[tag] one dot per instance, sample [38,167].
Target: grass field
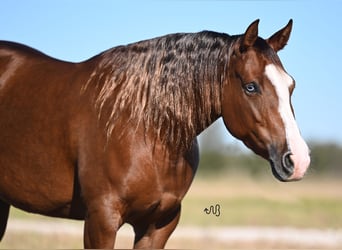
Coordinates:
[265,202]
[244,202]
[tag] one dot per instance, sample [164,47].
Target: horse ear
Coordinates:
[250,36]
[278,40]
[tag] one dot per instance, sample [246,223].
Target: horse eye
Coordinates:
[251,88]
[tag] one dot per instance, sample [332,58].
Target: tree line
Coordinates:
[326,160]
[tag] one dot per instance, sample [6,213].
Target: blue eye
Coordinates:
[251,88]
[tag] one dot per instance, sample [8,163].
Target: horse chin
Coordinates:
[278,173]
[281,172]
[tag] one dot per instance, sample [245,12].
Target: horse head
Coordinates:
[256,103]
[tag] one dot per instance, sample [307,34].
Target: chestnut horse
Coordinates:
[112,140]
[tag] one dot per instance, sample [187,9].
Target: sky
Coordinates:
[75,30]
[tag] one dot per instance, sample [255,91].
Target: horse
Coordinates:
[112,140]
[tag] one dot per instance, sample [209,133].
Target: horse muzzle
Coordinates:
[289,167]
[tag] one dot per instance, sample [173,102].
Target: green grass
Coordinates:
[264,202]
[247,211]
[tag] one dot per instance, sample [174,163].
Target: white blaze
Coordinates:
[300,151]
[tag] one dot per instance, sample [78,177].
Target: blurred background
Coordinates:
[256,211]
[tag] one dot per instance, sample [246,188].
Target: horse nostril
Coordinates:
[287,163]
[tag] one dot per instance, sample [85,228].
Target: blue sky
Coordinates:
[75,30]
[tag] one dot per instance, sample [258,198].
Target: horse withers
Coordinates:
[112,140]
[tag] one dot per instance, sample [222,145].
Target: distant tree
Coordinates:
[217,156]
[326,158]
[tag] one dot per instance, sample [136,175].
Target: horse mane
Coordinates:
[171,83]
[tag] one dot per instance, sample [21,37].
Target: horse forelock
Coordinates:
[172,84]
[272,56]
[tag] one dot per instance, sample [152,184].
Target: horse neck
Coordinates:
[172,84]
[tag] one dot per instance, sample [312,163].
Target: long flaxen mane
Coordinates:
[172,84]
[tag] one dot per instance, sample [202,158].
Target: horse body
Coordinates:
[51,162]
[112,140]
